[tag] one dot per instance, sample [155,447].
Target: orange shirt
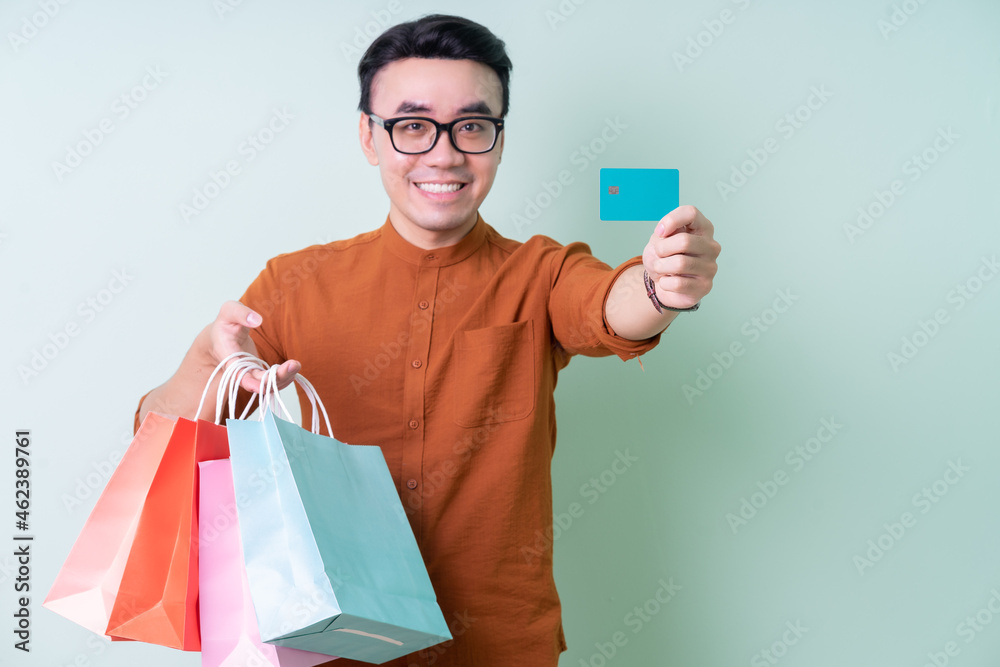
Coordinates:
[447,359]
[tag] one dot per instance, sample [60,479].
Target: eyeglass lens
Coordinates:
[413,135]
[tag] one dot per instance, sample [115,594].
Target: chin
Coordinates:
[441,220]
[441,225]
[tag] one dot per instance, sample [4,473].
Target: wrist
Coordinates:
[655,300]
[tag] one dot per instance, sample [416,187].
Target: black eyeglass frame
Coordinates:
[388,123]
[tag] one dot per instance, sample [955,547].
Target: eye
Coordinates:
[471,127]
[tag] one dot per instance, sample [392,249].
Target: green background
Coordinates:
[665,517]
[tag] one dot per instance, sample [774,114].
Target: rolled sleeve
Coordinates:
[581,284]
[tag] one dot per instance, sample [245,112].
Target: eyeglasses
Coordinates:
[413,135]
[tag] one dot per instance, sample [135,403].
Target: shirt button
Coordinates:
[432,256]
[414,423]
[423,305]
[416,363]
[411,483]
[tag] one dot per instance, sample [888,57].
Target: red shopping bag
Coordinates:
[85,588]
[157,599]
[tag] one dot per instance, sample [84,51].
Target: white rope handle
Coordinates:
[314,400]
[270,398]
[226,379]
[229,386]
[230,383]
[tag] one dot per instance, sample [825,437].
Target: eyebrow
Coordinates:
[409,106]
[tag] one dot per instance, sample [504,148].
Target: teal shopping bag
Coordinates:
[332,562]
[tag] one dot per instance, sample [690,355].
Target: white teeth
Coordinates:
[439,187]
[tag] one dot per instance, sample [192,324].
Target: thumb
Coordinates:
[234,312]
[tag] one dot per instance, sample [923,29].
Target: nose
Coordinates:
[444,153]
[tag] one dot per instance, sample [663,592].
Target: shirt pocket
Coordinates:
[497,368]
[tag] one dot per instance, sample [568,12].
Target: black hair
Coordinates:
[435,36]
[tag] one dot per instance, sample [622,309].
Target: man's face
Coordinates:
[442,90]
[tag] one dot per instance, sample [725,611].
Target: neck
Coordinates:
[429,239]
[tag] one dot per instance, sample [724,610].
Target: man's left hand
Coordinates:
[680,257]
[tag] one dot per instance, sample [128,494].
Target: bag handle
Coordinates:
[270,395]
[233,375]
[243,363]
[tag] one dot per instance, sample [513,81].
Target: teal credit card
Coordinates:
[639,194]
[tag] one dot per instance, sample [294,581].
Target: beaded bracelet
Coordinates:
[651,293]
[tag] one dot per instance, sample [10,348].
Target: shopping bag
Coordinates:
[132,572]
[229,635]
[158,598]
[86,586]
[331,559]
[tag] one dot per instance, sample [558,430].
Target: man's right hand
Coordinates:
[230,332]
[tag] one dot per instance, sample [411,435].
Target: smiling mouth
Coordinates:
[440,187]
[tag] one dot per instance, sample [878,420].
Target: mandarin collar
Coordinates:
[452,254]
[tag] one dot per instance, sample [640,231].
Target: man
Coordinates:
[440,341]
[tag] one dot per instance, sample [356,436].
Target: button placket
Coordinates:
[421,324]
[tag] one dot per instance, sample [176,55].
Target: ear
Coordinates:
[367,139]
[500,147]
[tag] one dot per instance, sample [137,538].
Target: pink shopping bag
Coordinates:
[229,632]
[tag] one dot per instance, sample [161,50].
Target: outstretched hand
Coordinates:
[230,332]
[680,257]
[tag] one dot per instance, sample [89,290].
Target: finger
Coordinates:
[679,218]
[251,381]
[683,244]
[691,288]
[286,372]
[284,376]
[683,265]
[235,313]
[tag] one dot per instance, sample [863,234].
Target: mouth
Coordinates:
[440,187]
